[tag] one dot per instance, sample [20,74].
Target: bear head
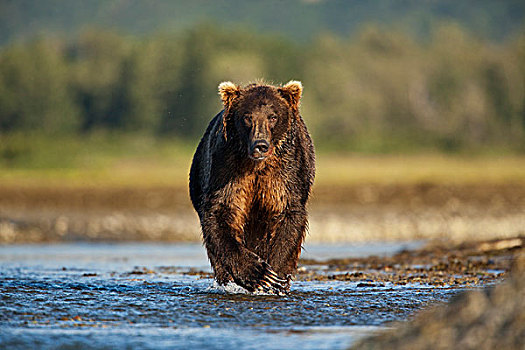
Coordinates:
[259,115]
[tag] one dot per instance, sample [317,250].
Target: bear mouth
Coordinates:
[258,155]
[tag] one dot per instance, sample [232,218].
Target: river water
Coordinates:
[147,296]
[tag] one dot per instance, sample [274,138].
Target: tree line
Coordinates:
[379,90]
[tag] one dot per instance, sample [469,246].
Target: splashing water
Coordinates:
[95,296]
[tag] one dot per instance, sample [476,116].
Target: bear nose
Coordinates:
[261,146]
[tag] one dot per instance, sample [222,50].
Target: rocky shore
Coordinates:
[492,318]
[35,214]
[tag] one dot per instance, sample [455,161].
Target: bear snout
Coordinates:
[259,149]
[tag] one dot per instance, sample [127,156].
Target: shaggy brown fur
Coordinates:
[250,181]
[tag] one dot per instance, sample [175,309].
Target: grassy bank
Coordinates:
[411,169]
[332,170]
[117,160]
[98,159]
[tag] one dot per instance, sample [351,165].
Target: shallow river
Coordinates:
[143,296]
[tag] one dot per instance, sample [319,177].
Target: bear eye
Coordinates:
[272,118]
[247,119]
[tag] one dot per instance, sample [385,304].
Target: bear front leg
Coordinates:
[287,241]
[230,259]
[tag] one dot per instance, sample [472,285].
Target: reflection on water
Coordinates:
[95,296]
[122,255]
[104,255]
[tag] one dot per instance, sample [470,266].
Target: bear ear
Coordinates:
[228,92]
[291,92]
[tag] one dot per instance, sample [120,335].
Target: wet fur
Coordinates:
[253,212]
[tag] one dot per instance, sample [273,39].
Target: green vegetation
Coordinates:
[97,159]
[377,92]
[116,159]
[298,19]
[334,170]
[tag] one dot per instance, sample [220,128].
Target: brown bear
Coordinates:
[250,180]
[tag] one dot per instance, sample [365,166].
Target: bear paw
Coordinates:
[256,276]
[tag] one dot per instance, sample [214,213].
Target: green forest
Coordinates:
[301,20]
[377,91]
